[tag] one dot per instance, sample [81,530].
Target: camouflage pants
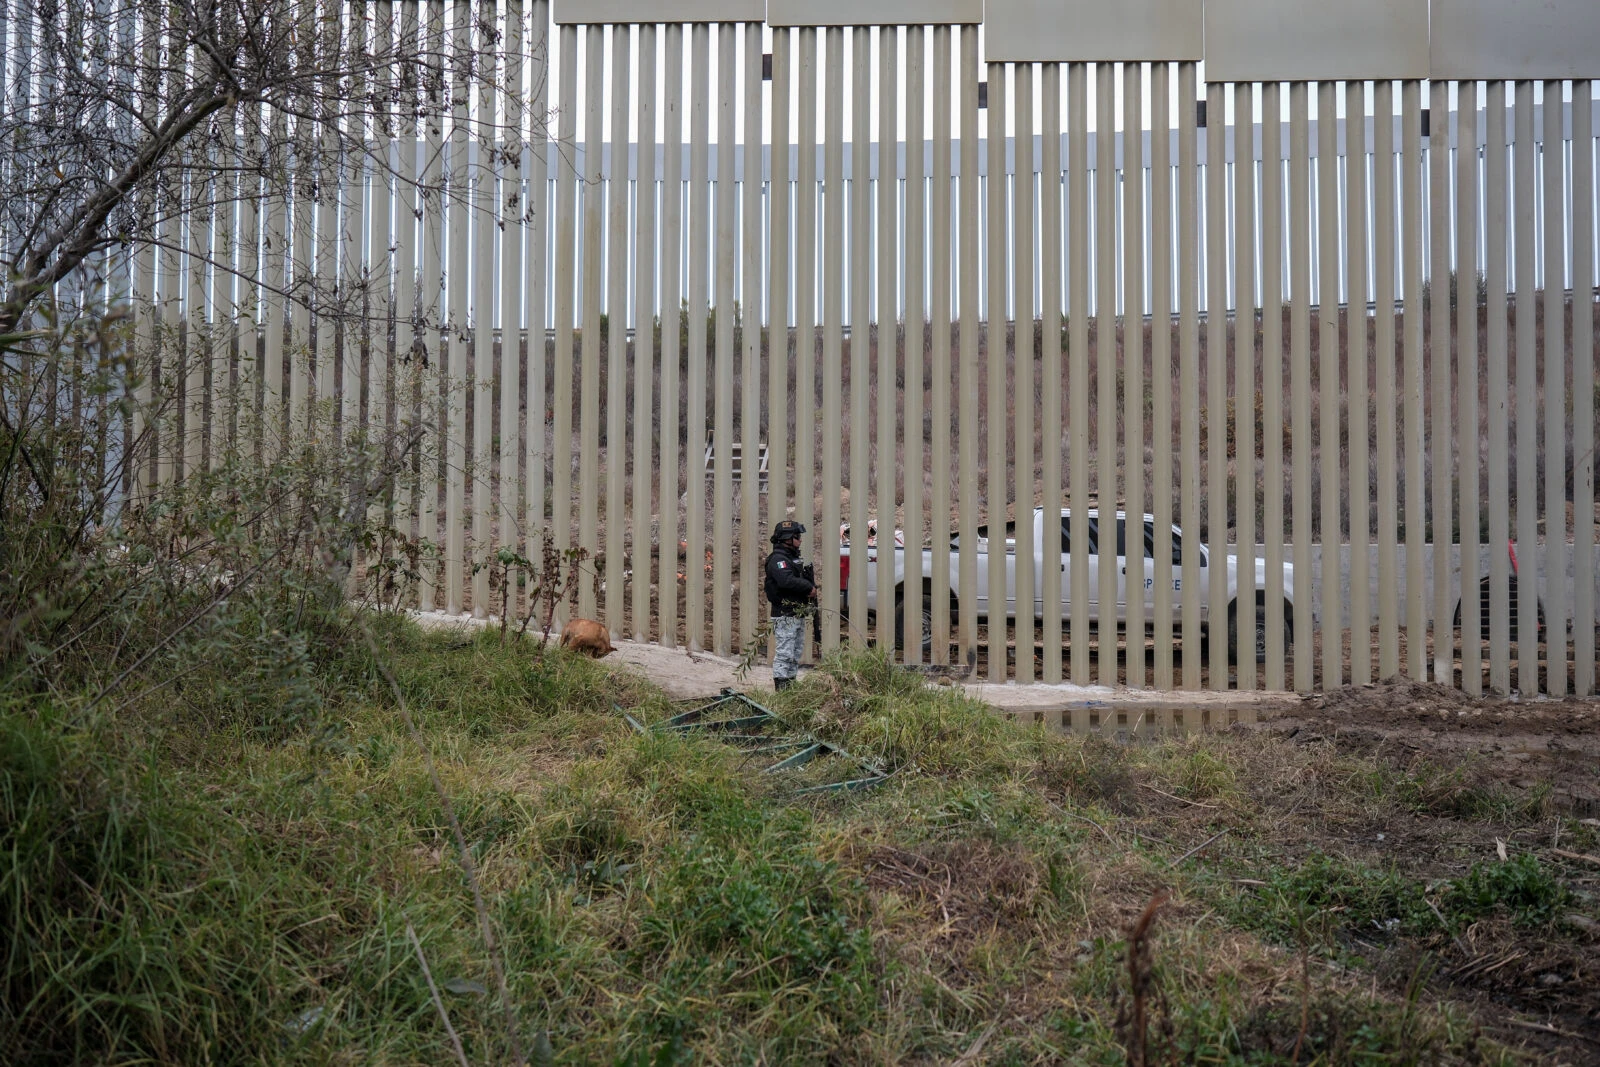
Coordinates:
[791,636]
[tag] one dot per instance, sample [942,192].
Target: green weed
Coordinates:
[1339,900]
[1335,898]
[1202,773]
[1425,787]
[1520,888]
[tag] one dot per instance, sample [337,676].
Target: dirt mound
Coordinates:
[1381,699]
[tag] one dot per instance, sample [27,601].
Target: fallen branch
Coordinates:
[1082,818]
[1546,1028]
[1181,800]
[1581,857]
[1198,847]
[971,1055]
[1479,966]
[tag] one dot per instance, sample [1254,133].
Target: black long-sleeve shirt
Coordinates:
[787,588]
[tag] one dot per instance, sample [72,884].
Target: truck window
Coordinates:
[1178,551]
[1066,535]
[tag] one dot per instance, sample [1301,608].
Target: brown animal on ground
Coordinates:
[588,637]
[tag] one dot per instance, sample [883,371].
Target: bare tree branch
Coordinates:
[128,104]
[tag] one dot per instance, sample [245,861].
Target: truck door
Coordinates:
[987,545]
[1143,566]
[1176,577]
[1123,581]
[1066,566]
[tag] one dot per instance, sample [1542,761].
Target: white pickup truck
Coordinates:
[1056,551]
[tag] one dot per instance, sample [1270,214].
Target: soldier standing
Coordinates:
[790,588]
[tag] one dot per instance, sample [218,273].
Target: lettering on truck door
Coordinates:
[1177,575]
[1146,579]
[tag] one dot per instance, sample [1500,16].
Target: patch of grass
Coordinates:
[1200,772]
[1342,1029]
[1334,899]
[152,920]
[1457,790]
[658,900]
[885,712]
[743,923]
[1089,770]
[474,683]
[1227,1003]
[585,831]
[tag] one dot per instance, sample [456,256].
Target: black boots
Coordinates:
[780,684]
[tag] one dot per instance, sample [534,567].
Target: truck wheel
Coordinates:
[1485,612]
[900,622]
[1260,629]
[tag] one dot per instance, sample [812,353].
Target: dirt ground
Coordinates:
[1524,745]
[1542,759]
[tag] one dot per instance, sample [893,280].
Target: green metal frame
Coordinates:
[803,748]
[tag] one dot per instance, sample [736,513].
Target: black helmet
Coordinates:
[787,530]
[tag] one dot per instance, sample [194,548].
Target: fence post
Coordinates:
[616,339]
[1583,385]
[1050,324]
[1467,200]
